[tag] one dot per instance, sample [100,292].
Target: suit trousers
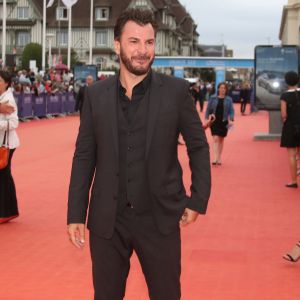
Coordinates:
[158,254]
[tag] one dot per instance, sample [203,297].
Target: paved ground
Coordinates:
[232,253]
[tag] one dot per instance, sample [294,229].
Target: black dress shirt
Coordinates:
[130,107]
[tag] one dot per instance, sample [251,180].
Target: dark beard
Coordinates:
[135,70]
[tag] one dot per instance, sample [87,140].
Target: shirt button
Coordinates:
[129,205]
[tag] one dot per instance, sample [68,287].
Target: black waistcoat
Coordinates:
[133,183]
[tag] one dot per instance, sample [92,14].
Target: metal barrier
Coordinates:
[43,105]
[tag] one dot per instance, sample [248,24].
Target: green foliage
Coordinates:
[32,51]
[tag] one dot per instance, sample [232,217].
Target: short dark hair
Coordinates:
[139,16]
[6,76]
[291,78]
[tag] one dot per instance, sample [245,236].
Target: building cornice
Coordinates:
[285,10]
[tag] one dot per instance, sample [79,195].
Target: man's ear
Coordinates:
[117,46]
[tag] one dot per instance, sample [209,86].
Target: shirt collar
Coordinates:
[140,88]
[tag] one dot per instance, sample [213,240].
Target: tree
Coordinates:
[32,51]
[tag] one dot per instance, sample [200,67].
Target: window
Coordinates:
[62,38]
[23,38]
[141,3]
[61,13]
[23,13]
[102,38]
[102,13]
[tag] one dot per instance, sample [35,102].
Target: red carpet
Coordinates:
[233,253]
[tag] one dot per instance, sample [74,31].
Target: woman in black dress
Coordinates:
[290,113]
[221,108]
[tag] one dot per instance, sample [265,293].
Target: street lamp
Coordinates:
[49,37]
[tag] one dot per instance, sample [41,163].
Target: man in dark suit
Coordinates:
[127,150]
[80,96]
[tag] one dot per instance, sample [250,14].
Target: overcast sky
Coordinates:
[241,24]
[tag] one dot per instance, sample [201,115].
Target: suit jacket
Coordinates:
[171,111]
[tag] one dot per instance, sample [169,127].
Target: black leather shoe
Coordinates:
[292,185]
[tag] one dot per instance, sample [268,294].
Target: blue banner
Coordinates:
[30,106]
[26,106]
[39,107]
[54,106]
[70,108]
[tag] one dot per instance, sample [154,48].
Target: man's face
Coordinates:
[136,48]
[89,80]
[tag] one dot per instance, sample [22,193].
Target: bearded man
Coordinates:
[126,153]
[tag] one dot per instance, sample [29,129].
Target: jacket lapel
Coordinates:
[113,113]
[154,104]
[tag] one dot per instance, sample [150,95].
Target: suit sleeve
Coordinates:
[83,167]
[198,152]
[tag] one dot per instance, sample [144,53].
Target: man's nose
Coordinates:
[142,48]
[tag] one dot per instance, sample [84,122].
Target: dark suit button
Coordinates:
[129,148]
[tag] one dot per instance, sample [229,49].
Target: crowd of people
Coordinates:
[26,81]
[240,92]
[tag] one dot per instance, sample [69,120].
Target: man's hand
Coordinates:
[189,216]
[6,108]
[77,235]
